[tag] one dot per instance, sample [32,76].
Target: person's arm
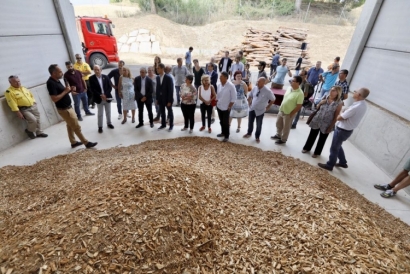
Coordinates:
[289,73]
[84,85]
[200,94]
[120,87]
[296,109]
[245,88]
[250,97]
[345,95]
[12,102]
[56,98]
[111,75]
[233,97]
[87,71]
[194,92]
[336,115]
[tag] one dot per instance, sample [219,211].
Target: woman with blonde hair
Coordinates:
[127,94]
[324,120]
[207,94]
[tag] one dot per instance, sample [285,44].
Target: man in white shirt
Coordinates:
[238,65]
[260,99]
[346,123]
[226,97]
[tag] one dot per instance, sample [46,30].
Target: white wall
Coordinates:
[33,35]
[378,58]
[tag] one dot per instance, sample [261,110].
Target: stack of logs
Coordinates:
[260,45]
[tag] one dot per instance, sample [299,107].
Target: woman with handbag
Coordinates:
[207,96]
[323,120]
[240,108]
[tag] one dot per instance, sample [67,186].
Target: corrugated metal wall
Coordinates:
[385,61]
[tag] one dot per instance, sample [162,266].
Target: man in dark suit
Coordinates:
[101,86]
[143,95]
[165,97]
[225,63]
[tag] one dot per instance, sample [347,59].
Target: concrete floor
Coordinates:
[361,174]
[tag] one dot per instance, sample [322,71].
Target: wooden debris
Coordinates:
[260,45]
[191,205]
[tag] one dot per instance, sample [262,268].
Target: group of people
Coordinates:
[233,97]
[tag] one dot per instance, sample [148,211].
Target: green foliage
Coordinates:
[357,3]
[284,7]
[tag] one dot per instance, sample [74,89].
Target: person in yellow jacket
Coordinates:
[86,72]
[22,102]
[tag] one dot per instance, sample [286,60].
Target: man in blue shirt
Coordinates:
[313,77]
[275,62]
[329,78]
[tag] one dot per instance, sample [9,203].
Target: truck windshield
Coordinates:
[102,28]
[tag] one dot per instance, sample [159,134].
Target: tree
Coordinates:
[297,5]
[153,8]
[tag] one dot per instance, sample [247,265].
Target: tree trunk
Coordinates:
[297,5]
[153,8]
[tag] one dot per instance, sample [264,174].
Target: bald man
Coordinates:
[101,87]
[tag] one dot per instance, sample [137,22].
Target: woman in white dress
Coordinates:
[127,94]
[240,108]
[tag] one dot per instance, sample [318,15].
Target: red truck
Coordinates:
[98,42]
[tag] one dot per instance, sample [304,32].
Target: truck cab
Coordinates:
[99,43]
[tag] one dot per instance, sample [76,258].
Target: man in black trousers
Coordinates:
[165,97]
[226,97]
[143,95]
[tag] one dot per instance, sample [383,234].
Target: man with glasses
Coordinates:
[22,102]
[329,78]
[342,82]
[85,70]
[291,104]
[347,121]
[260,99]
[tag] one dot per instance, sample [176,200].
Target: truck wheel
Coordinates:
[98,59]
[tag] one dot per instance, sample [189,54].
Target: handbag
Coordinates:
[213,102]
[310,118]
[249,86]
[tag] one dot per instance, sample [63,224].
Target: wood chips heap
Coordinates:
[191,205]
[260,45]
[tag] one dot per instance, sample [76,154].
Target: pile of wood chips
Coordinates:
[191,205]
[260,45]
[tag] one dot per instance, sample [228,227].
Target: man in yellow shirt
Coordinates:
[22,102]
[85,70]
[291,104]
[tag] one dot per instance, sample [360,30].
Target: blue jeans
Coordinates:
[322,93]
[80,97]
[336,150]
[118,99]
[296,119]
[251,119]
[177,89]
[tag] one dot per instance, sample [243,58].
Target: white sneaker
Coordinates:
[119,116]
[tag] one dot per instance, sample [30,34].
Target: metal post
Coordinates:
[340,17]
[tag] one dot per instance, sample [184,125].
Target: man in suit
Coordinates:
[214,66]
[101,87]
[225,63]
[165,97]
[143,95]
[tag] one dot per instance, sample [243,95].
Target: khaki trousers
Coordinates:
[283,124]
[32,117]
[73,127]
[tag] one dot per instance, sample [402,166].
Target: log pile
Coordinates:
[260,45]
[190,205]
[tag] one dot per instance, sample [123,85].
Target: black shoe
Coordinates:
[91,144]
[139,125]
[293,127]
[340,165]
[220,135]
[110,126]
[225,140]
[280,142]
[275,137]
[93,106]
[170,128]
[90,114]
[162,127]
[76,144]
[151,125]
[43,135]
[324,166]
[80,118]
[30,134]
[156,119]
[100,130]
[212,120]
